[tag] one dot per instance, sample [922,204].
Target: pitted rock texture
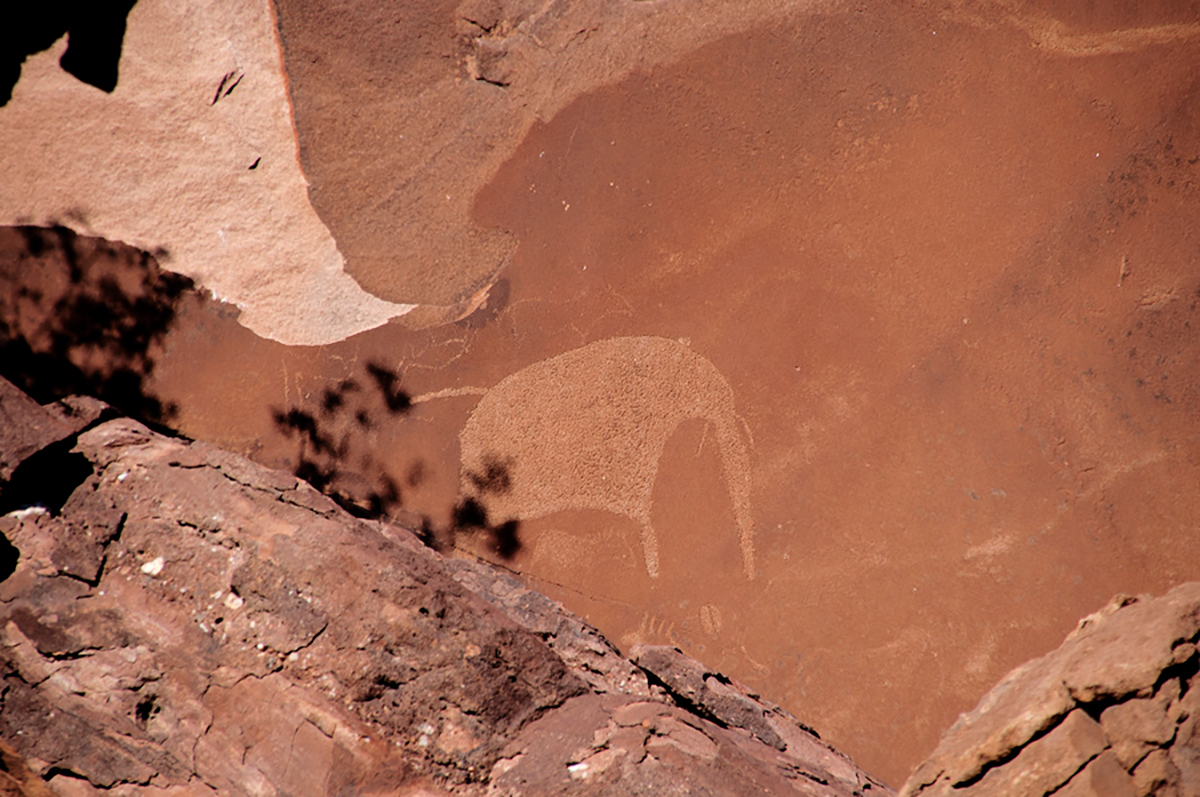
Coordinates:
[581,646]
[187,620]
[1113,711]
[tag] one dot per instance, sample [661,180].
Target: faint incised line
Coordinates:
[450,392]
[1051,34]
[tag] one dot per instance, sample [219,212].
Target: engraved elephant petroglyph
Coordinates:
[586,430]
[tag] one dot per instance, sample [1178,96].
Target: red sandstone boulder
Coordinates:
[1112,711]
[182,619]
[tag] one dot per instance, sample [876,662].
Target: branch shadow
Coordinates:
[329,455]
[470,517]
[334,455]
[85,316]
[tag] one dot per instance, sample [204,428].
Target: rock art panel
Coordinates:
[586,430]
[192,156]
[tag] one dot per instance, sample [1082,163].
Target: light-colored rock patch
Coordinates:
[194,157]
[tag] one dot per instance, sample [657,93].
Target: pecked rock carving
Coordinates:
[586,430]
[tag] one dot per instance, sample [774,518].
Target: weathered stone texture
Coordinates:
[1110,712]
[25,429]
[191,622]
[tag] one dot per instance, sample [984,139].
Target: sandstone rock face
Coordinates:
[193,156]
[941,254]
[444,92]
[938,253]
[191,146]
[1110,712]
[185,620]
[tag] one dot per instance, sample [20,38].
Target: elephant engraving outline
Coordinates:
[586,429]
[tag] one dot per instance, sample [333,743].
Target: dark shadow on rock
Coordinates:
[470,514]
[9,556]
[95,35]
[86,316]
[505,538]
[471,517]
[331,453]
[46,479]
[495,478]
[388,383]
[334,455]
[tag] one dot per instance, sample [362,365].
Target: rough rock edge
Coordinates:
[1116,702]
[662,674]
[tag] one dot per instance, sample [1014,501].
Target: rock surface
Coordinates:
[191,154]
[452,87]
[191,148]
[1113,711]
[942,254]
[813,198]
[25,429]
[184,620]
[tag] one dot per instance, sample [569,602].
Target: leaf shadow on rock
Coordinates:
[330,454]
[470,514]
[86,316]
[335,455]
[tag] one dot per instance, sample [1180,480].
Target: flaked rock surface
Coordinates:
[1112,711]
[184,620]
[191,140]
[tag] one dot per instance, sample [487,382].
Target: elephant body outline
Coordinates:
[586,429]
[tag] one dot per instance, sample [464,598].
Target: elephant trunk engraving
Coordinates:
[586,430]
